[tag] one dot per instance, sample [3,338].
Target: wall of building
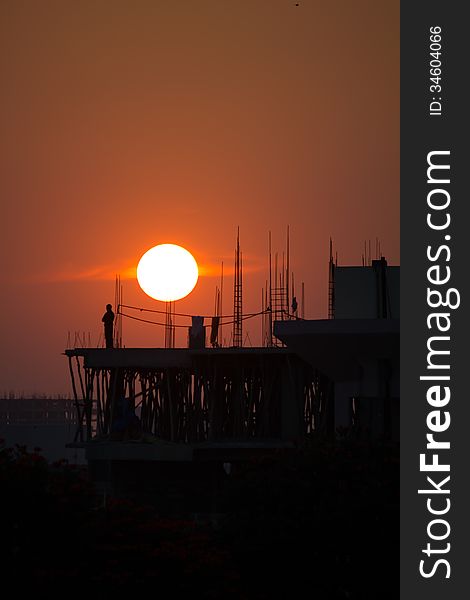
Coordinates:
[357,292]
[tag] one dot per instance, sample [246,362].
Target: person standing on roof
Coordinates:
[108,320]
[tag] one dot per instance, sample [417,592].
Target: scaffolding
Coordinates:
[187,396]
[278,292]
[237,334]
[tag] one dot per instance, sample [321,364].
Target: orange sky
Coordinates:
[128,124]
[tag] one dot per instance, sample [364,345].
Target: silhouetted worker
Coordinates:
[294,305]
[108,320]
[215,332]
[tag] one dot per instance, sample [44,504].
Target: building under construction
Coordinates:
[221,404]
[357,348]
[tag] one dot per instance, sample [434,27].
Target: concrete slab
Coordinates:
[151,451]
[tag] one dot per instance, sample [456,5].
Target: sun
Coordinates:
[167,272]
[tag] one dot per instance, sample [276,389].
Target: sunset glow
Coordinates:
[152,123]
[167,272]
